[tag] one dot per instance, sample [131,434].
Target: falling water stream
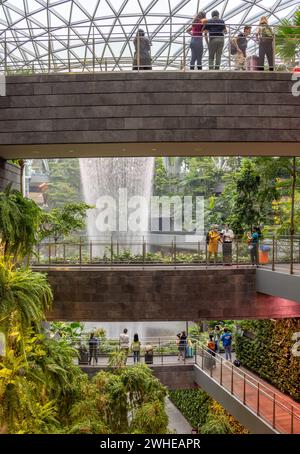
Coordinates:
[104,177]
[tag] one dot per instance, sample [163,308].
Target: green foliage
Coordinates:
[150,418]
[24,295]
[288,39]
[61,222]
[19,220]
[193,404]
[205,414]
[64,185]
[110,398]
[71,331]
[269,353]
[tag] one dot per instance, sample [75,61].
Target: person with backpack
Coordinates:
[239,48]
[226,339]
[136,348]
[182,344]
[265,37]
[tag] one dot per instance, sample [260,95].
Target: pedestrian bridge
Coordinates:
[260,407]
[162,293]
[149,114]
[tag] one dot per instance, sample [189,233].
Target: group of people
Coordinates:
[225,237]
[214,30]
[217,337]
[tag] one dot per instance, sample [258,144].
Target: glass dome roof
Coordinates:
[80,35]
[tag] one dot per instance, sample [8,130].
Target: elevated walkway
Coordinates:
[260,407]
[149,114]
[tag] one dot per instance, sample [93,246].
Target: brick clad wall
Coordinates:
[151,107]
[125,294]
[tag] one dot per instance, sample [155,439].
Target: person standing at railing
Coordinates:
[227,239]
[142,56]
[226,339]
[213,239]
[124,343]
[265,37]
[216,29]
[211,351]
[182,344]
[253,244]
[93,348]
[136,348]
[239,48]
[196,44]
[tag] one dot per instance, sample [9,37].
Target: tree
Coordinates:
[64,182]
[242,198]
[24,296]
[127,400]
[63,221]
[288,39]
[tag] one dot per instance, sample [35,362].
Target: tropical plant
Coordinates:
[24,296]
[288,39]
[61,222]
[19,221]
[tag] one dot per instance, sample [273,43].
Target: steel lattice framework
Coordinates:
[81,34]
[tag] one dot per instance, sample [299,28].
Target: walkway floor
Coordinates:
[279,410]
[177,422]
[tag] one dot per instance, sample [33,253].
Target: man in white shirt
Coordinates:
[124,343]
[227,238]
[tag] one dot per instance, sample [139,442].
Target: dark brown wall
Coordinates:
[47,114]
[9,173]
[153,294]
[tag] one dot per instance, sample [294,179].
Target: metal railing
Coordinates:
[95,48]
[164,349]
[263,400]
[276,253]
[275,409]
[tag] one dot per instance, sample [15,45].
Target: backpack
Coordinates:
[211,345]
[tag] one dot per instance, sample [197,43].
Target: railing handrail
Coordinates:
[160,341]
[97,33]
[250,379]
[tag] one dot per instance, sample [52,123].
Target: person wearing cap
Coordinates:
[142,56]
[216,29]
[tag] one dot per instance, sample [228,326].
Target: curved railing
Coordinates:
[263,400]
[165,250]
[98,48]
